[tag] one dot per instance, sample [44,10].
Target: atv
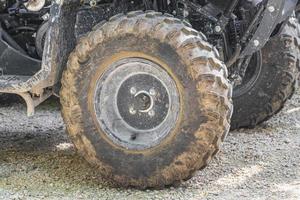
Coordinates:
[147,87]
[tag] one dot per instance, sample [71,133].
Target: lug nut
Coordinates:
[151,113]
[133,90]
[132,111]
[152,92]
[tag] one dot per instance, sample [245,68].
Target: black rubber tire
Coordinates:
[206,99]
[40,38]
[276,82]
[9,99]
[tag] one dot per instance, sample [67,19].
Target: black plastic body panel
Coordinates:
[87,17]
[13,62]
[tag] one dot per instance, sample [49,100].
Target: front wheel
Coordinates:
[146,100]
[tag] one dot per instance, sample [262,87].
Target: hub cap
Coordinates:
[136,103]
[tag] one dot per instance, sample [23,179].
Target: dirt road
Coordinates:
[37,161]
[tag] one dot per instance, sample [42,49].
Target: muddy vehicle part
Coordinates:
[146,100]
[185,68]
[270,80]
[237,28]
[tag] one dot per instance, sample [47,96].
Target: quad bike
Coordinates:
[146,85]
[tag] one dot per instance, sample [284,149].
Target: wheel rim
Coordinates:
[136,103]
[251,76]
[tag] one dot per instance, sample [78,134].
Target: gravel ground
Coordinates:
[37,161]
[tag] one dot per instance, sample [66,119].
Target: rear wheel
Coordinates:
[270,79]
[146,100]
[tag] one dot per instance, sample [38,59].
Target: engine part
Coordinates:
[34,5]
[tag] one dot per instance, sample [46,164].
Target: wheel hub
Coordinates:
[143,101]
[136,103]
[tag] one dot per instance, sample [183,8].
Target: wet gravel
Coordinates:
[38,161]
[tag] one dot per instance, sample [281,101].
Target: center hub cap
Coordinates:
[143,101]
[136,103]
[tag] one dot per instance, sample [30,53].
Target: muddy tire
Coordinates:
[272,77]
[146,100]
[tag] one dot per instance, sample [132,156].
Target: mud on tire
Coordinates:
[274,83]
[204,94]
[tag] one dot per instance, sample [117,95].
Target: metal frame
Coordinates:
[274,14]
